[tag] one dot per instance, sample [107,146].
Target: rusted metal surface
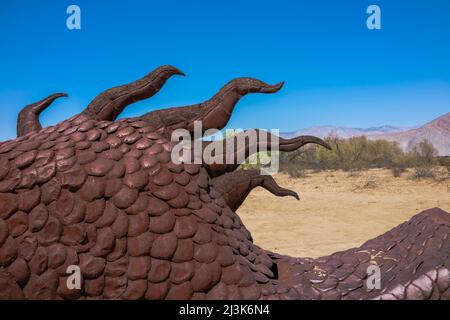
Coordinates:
[105,195]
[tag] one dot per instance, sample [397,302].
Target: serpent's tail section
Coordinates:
[413,260]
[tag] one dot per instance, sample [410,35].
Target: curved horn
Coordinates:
[110,103]
[245,144]
[236,186]
[28,119]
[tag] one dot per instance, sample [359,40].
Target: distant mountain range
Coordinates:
[436,131]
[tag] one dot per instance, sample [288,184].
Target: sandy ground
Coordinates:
[337,210]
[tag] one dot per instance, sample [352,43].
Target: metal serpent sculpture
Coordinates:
[104,195]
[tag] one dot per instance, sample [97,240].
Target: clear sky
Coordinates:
[337,72]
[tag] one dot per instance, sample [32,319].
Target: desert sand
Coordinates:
[337,210]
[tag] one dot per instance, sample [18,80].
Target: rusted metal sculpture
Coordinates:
[104,195]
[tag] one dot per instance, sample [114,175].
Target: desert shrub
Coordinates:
[424,154]
[353,174]
[256,161]
[353,154]
[398,171]
[365,185]
[360,153]
[371,184]
[423,159]
[294,171]
[445,162]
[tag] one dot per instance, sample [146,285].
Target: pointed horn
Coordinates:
[109,104]
[219,108]
[298,142]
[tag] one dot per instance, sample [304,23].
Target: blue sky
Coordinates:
[337,72]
